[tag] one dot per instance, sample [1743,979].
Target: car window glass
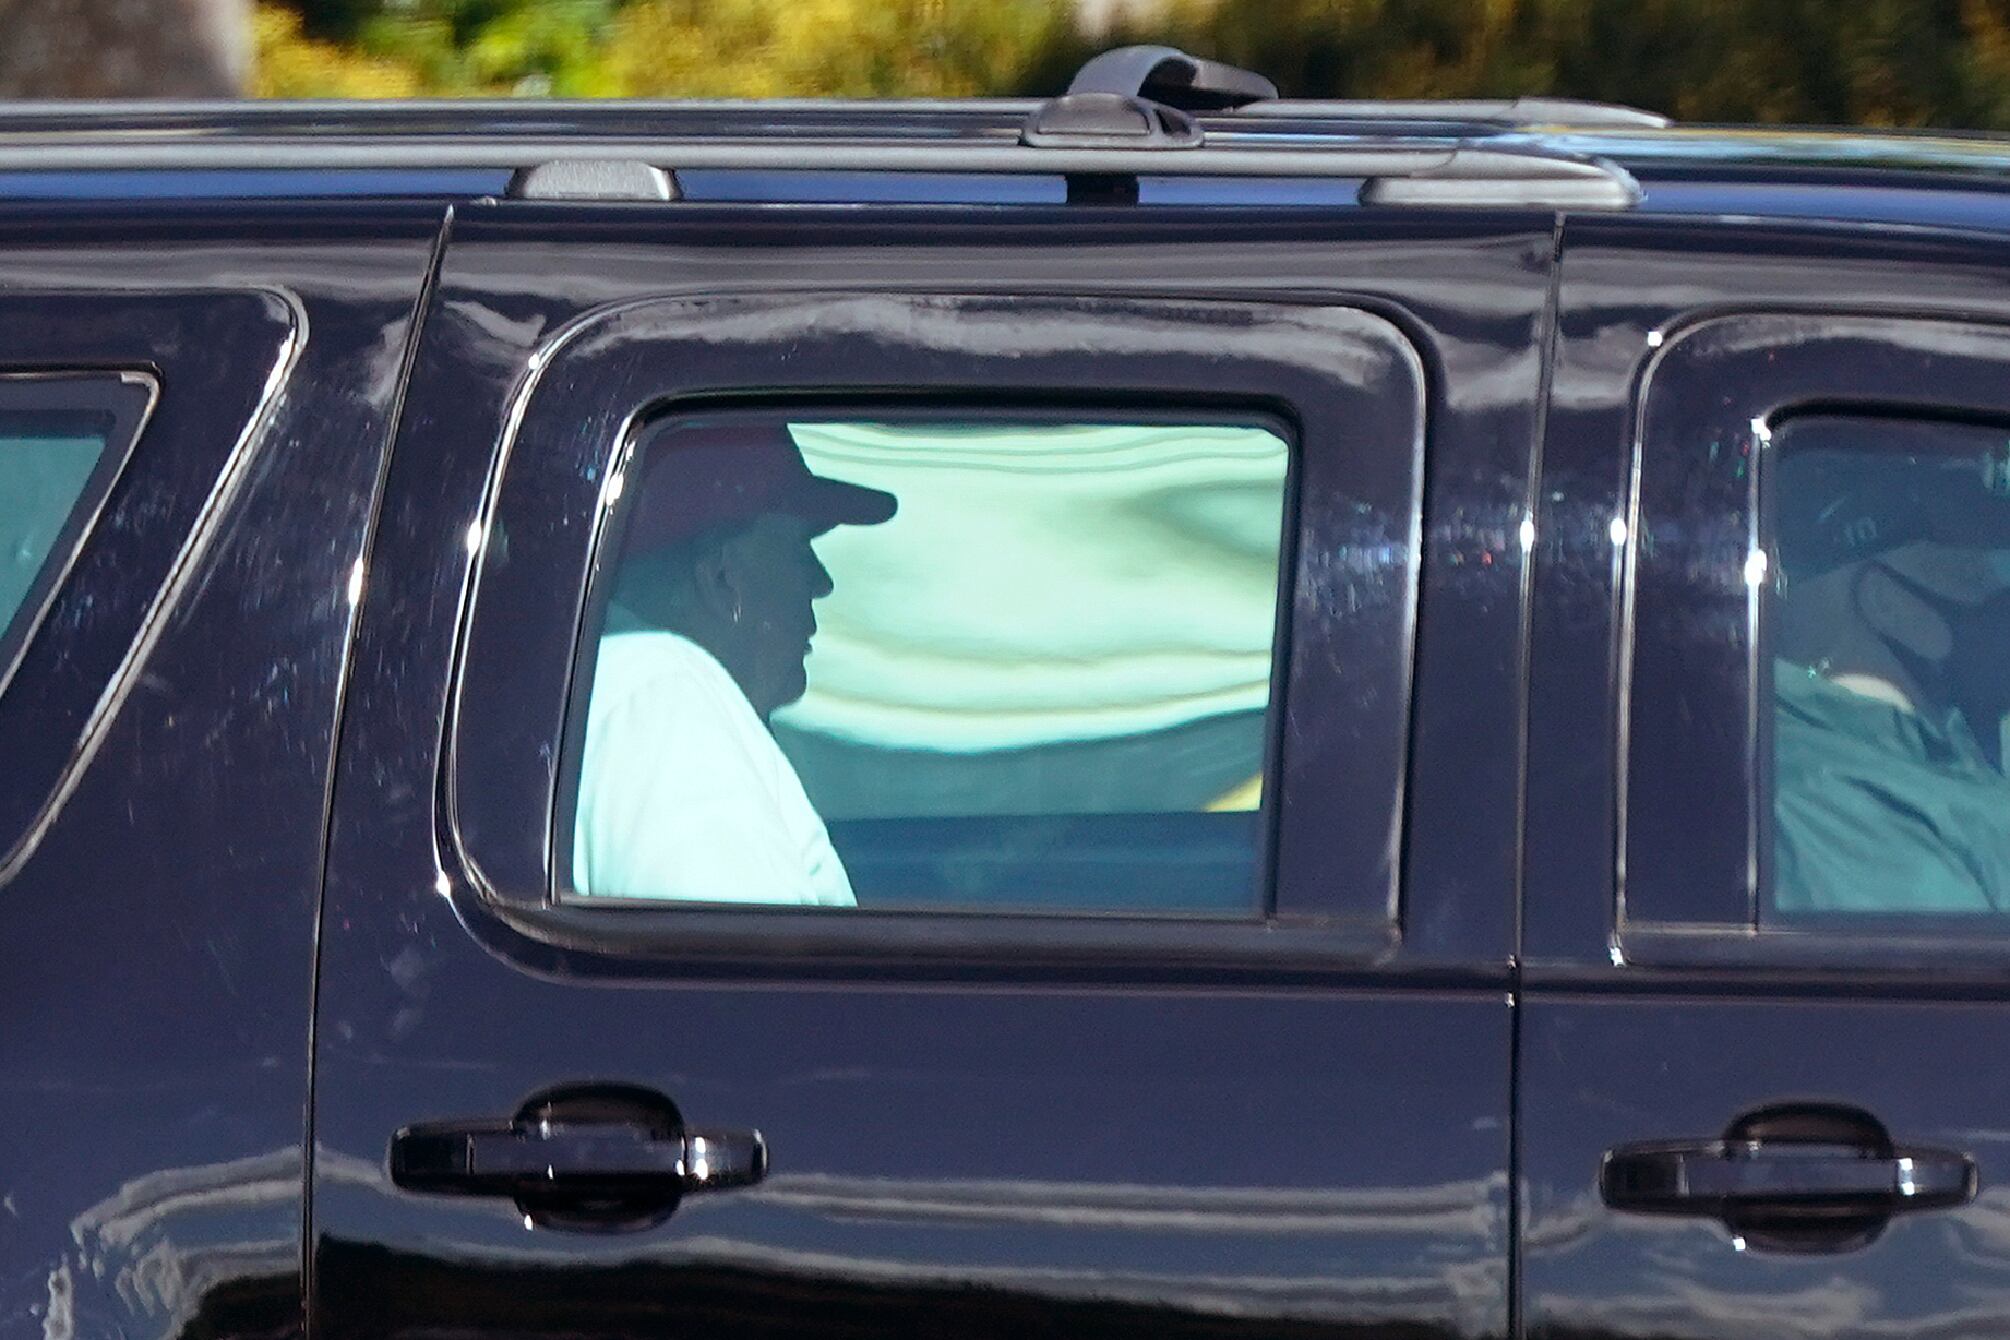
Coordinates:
[47,461]
[956,661]
[1885,635]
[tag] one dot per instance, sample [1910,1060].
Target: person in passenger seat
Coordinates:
[683,793]
[1884,799]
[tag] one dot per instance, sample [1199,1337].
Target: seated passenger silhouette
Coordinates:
[1883,797]
[683,793]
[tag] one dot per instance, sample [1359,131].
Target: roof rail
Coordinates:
[322,116]
[1508,113]
[1434,171]
[1445,171]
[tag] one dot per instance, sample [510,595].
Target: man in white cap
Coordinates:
[683,793]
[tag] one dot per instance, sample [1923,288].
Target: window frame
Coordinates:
[1690,893]
[961,413]
[178,473]
[125,400]
[1337,374]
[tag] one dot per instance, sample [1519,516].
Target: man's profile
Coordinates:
[683,793]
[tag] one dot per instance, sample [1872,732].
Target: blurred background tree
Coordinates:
[855,48]
[1877,62]
[443,47]
[123,48]
[1868,62]
[686,48]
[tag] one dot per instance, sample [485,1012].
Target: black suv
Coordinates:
[1160,713]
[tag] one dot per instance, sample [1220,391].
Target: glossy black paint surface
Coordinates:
[83,648]
[1032,1134]
[1014,1140]
[1635,1032]
[156,936]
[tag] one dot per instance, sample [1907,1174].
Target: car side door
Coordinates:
[1757,1093]
[1174,996]
[195,407]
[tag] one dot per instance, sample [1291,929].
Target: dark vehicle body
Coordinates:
[278,755]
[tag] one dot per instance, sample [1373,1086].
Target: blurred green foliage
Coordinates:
[1876,62]
[441,47]
[859,48]
[1868,62]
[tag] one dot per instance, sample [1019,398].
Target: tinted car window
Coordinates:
[1886,628]
[60,442]
[953,660]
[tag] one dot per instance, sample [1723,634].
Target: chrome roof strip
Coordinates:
[1519,174]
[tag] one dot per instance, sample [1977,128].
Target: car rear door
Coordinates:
[1194,1023]
[1759,1092]
[195,408]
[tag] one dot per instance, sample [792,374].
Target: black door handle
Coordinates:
[1799,1177]
[585,1156]
[1716,1177]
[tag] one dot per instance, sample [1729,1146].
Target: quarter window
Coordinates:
[57,436]
[968,661]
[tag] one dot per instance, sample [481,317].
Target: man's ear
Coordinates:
[716,578]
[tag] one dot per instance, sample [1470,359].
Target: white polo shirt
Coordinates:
[683,793]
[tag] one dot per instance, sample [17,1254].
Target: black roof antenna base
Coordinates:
[1169,76]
